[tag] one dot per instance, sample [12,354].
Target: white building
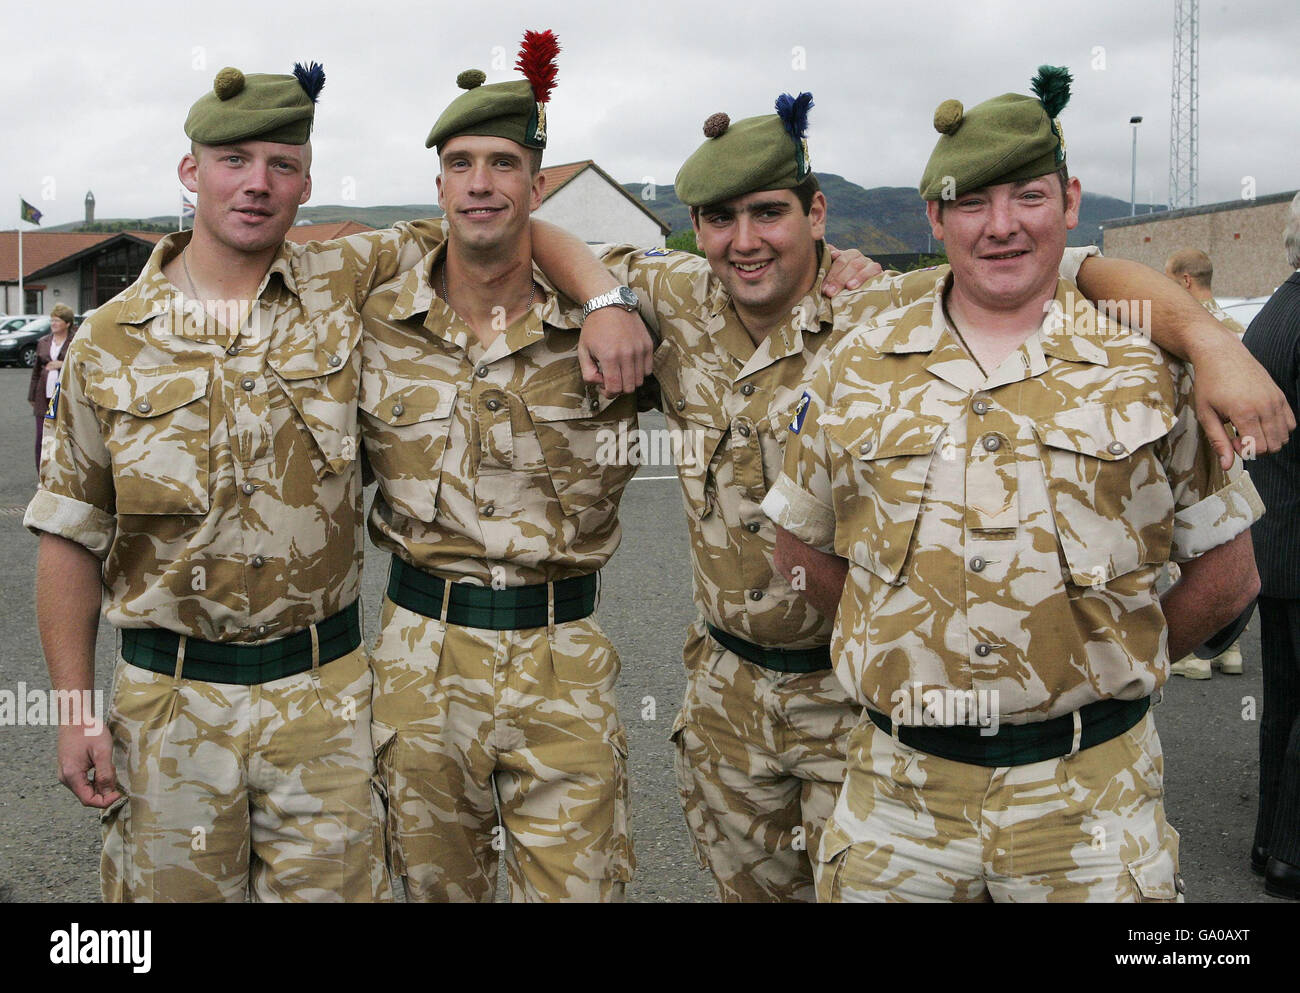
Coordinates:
[582,198]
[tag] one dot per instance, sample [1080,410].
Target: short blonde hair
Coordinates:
[63,312]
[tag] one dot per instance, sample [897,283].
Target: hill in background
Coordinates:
[879,221]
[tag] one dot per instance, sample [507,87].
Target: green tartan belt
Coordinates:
[776,659]
[511,609]
[1021,744]
[245,665]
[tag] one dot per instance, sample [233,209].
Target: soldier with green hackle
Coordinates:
[1001,491]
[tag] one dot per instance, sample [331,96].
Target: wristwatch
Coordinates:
[619,296]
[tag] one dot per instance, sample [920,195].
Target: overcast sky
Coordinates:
[95,94]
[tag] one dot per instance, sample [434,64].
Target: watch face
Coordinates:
[627,298]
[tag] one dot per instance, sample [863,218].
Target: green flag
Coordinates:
[29,213]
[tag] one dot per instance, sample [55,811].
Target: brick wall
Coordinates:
[1243,240]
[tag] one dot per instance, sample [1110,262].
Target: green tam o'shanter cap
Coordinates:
[1003,140]
[258,107]
[758,153]
[514,110]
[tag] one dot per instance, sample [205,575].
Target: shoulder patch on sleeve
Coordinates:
[52,408]
[800,412]
[651,253]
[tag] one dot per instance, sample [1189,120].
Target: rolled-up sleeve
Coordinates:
[1211,506]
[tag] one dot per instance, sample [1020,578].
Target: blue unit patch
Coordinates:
[800,411]
[651,253]
[52,409]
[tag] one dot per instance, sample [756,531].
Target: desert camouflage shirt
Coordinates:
[498,465]
[1004,534]
[729,404]
[1221,315]
[212,464]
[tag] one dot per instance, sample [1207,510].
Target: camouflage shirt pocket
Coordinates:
[1111,500]
[158,433]
[880,463]
[693,406]
[577,432]
[406,424]
[318,370]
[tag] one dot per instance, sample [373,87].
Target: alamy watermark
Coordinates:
[44,708]
[654,447]
[915,707]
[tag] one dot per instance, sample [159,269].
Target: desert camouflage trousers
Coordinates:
[501,741]
[760,760]
[235,792]
[1091,827]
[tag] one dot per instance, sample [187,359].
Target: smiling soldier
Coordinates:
[207,481]
[1002,490]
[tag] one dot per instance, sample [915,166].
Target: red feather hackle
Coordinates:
[537,62]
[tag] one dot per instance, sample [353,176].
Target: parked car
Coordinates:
[18,338]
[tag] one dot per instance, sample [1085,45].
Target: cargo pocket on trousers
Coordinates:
[115,858]
[692,803]
[1155,876]
[385,791]
[622,858]
[829,863]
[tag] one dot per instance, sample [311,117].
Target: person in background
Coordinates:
[1274,340]
[45,374]
[1193,271]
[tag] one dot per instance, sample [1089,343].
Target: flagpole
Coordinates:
[22,304]
[180,215]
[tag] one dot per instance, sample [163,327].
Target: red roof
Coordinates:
[46,248]
[557,176]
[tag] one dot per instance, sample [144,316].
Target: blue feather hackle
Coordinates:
[311,78]
[793,112]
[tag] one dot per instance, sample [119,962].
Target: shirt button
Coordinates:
[232,350]
[977,564]
[248,488]
[992,443]
[494,405]
[752,527]
[1115,448]
[258,561]
[262,629]
[398,410]
[867,446]
[983,650]
[747,389]
[335,361]
[756,594]
[744,431]
[680,404]
[248,384]
[489,510]
[980,406]
[144,406]
[481,371]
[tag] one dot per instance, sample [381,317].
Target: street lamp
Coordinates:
[1132,190]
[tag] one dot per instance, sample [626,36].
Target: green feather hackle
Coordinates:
[1052,87]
